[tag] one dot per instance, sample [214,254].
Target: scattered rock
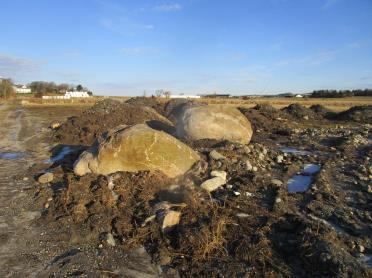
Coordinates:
[218,122]
[45,178]
[213,184]
[55,125]
[215,155]
[110,239]
[221,174]
[248,165]
[279,158]
[134,149]
[170,220]
[276,182]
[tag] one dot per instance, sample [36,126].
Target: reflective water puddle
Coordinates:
[294,151]
[65,151]
[302,182]
[11,155]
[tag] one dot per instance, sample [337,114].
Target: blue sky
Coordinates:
[189,46]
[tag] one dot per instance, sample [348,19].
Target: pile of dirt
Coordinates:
[149,102]
[107,114]
[297,111]
[266,118]
[361,114]
[322,111]
[250,226]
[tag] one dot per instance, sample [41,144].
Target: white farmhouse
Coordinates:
[76,94]
[22,89]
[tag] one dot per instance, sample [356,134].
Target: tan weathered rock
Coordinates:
[171,220]
[137,148]
[45,178]
[221,174]
[213,184]
[220,122]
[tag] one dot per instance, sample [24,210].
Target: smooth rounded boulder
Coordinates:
[218,122]
[137,148]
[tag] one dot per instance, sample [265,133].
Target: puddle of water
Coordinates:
[65,151]
[311,169]
[302,182]
[299,183]
[294,151]
[366,259]
[11,155]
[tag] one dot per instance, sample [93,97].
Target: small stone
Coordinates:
[55,125]
[45,178]
[306,117]
[215,155]
[229,186]
[46,205]
[236,193]
[221,174]
[213,184]
[361,248]
[277,200]
[248,194]
[171,220]
[248,165]
[50,199]
[279,158]
[276,182]
[254,169]
[110,239]
[247,149]
[261,156]
[242,215]
[25,179]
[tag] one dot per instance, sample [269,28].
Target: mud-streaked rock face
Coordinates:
[219,122]
[136,148]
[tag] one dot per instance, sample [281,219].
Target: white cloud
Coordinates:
[11,66]
[168,7]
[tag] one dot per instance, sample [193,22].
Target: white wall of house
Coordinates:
[77,94]
[23,90]
[182,96]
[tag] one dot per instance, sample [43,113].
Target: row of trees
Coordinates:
[42,87]
[341,93]
[6,89]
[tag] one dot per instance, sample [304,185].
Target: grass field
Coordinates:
[334,104]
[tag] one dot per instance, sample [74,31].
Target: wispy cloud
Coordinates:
[168,7]
[135,51]
[311,60]
[329,3]
[11,66]
[117,19]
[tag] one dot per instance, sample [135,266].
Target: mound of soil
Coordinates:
[149,102]
[361,114]
[107,114]
[251,226]
[322,112]
[298,111]
[266,118]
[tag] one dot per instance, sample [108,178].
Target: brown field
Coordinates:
[334,104]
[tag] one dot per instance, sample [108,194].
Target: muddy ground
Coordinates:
[264,222]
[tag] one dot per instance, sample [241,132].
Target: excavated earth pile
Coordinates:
[296,201]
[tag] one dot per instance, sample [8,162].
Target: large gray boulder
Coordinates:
[137,148]
[220,122]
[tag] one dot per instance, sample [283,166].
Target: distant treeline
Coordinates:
[340,94]
[40,88]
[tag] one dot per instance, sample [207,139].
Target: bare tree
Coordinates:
[6,89]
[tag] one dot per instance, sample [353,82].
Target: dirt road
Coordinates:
[28,249]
